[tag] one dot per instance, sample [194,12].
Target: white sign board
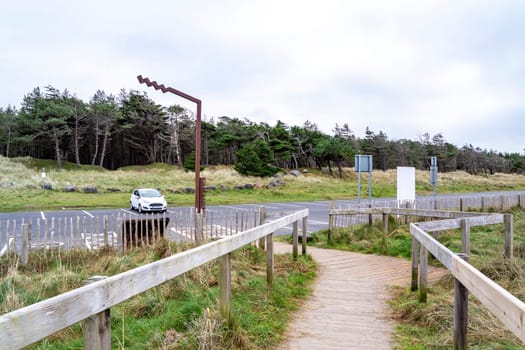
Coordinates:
[406,184]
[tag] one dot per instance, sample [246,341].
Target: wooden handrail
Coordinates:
[29,324]
[505,306]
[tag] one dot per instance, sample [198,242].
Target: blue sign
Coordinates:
[363,163]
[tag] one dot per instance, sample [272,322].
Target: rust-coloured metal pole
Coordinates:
[199,193]
[199,200]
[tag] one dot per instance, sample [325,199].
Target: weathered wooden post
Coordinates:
[304,238]
[225,288]
[465,236]
[295,240]
[483,205]
[370,219]
[269,259]
[198,227]
[415,255]
[330,221]
[26,243]
[509,234]
[262,216]
[423,267]
[460,312]
[52,234]
[106,242]
[136,231]
[121,232]
[461,204]
[385,232]
[97,328]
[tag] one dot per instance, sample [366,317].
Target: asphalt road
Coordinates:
[317,220]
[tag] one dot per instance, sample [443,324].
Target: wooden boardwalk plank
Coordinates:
[347,309]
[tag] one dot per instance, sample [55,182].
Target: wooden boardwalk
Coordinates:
[347,309]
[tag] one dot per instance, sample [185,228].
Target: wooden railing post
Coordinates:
[304,238]
[415,256]
[370,219]
[385,232]
[106,242]
[262,217]
[269,259]
[423,267]
[295,239]
[198,228]
[330,221]
[225,287]
[465,236]
[26,243]
[97,328]
[460,312]
[509,233]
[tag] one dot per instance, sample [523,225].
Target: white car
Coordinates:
[147,199]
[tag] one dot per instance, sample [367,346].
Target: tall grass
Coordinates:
[179,314]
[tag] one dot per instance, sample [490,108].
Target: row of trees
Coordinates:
[131,129]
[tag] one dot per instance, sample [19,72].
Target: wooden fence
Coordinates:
[345,215]
[506,307]
[122,230]
[92,302]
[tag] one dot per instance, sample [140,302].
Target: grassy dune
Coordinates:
[21,180]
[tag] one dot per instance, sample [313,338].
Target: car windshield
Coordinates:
[150,193]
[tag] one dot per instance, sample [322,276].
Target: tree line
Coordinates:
[113,131]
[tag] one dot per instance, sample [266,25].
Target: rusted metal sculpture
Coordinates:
[199,188]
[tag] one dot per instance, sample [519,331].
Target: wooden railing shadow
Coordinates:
[136,232]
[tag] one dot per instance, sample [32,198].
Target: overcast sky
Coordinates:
[403,67]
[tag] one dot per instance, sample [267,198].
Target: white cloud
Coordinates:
[404,67]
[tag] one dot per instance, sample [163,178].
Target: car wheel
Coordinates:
[140,208]
[131,206]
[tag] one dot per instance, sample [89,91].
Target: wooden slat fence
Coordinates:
[483,202]
[94,233]
[27,325]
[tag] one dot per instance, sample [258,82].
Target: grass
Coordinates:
[182,314]
[367,239]
[430,325]
[179,314]
[20,185]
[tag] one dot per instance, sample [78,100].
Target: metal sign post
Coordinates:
[363,163]
[434,177]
